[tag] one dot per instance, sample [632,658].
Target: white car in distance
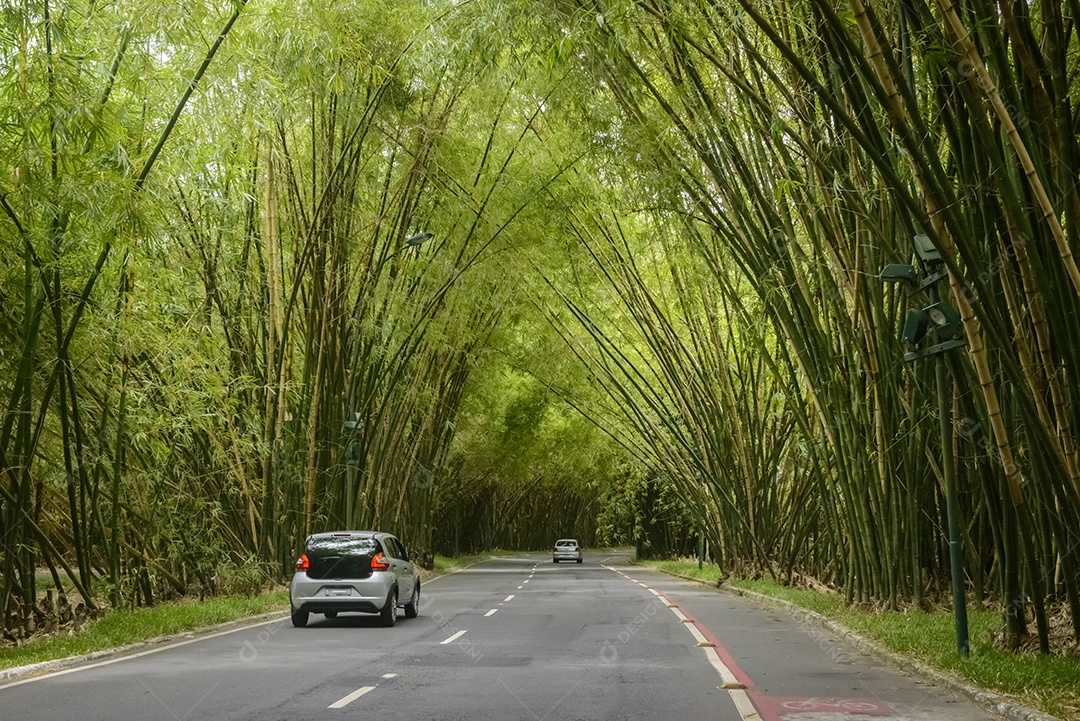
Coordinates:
[567,549]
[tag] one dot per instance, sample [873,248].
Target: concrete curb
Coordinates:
[990,701]
[59,664]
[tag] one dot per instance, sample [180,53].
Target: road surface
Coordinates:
[511,638]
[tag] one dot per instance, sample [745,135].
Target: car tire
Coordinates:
[412,608]
[554,560]
[331,614]
[388,615]
[299,618]
[580,560]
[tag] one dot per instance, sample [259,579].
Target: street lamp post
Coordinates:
[352,458]
[956,550]
[932,331]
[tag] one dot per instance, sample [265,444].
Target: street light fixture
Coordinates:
[417,239]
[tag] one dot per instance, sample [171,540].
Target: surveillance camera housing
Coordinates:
[899,273]
[915,326]
[925,249]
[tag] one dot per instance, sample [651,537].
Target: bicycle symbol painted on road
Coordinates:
[831,704]
[785,705]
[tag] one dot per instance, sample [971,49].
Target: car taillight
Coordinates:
[302,562]
[577,548]
[378,563]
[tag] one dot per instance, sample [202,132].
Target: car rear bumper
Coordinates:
[566,556]
[327,595]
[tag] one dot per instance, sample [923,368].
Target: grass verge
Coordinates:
[1050,683]
[445,564]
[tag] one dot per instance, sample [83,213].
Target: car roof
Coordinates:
[570,540]
[361,534]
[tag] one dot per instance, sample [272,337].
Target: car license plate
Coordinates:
[338,591]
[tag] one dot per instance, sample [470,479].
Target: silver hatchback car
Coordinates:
[364,571]
[567,549]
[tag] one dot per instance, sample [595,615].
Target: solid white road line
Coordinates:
[508,598]
[453,638]
[744,704]
[721,668]
[491,612]
[351,697]
[697,633]
[118,659]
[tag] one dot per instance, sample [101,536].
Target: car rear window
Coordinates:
[341,556]
[341,546]
[566,543]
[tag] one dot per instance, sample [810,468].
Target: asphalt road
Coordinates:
[512,638]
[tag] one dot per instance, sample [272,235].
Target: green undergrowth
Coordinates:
[121,627]
[1050,683]
[707,572]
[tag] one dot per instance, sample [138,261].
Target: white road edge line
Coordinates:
[351,697]
[491,612]
[697,634]
[118,659]
[389,675]
[453,638]
[721,668]
[744,704]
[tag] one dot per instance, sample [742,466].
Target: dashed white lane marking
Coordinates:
[525,581]
[351,697]
[453,638]
[508,598]
[389,675]
[520,587]
[491,612]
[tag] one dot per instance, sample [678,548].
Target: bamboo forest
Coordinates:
[798,278]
